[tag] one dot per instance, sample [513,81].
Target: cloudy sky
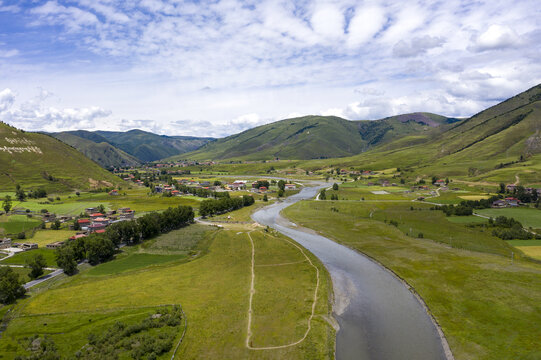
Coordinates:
[213,68]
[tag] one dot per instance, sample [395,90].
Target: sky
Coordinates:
[215,68]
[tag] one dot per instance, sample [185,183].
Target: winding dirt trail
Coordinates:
[252,292]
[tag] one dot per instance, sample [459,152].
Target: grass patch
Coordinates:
[529,217]
[472,219]
[487,308]
[132,262]
[213,290]
[45,237]
[14,224]
[23,273]
[531,251]
[524,242]
[20,258]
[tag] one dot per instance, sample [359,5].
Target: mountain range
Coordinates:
[130,148]
[312,137]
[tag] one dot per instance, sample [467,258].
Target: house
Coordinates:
[5,243]
[511,187]
[55,245]
[262,189]
[28,246]
[90,210]
[499,204]
[511,201]
[114,193]
[123,210]
[100,231]
[175,193]
[96,215]
[385,183]
[101,220]
[49,217]
[439,182]
[83,222]
[96,226]
[343,172]
[77,236]
[368,172]
[290,187]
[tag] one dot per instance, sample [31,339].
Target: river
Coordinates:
[379,317]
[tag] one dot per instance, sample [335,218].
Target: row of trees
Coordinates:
[97,248]
[520,193]
[219,206]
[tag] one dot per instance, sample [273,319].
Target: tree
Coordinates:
[36,265]
[101,208]
[19,193]
[56,225]
[502,188]
[7,203]
[323,195]
[280,193]
[10,285]
[446,181]
[265,198]
[65,258]
[281,185]
[76,225]
[335,186]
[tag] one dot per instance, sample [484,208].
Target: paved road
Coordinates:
[29,284]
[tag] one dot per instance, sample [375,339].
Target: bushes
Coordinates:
[10,285]
[510,229]
[219,206]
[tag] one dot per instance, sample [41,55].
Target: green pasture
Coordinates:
[14,224]
[45,237]
[472,219]
[487,307]
[21,257]
[23,273]
[529,217]
[213,290]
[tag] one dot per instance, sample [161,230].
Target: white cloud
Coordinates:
[151,59]
[7,98]
[366,23]
[417,46]
[496,37]
[328,21]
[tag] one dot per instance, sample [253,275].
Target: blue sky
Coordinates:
[213,68]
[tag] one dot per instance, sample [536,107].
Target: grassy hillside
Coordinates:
[495,145]
[147,146]
[312,137]
[98,150]
[36,160]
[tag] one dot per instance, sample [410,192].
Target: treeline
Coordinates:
[510,229]
[97,248]
[219,206]
[466,207]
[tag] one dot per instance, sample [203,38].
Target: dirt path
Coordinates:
[517,180]
[252,292]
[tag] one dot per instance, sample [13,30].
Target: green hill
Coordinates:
[97,148]
[497,144]
[147,146]
[312,137]
[37,160]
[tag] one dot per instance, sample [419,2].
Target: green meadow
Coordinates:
[14,224]
[529,217]
[20,258]
[213,286]
[487,306]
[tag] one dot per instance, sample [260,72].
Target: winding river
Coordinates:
[379,317]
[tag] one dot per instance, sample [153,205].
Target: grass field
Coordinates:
[472,219]
[20,258]
[14,224]
[213,290]
[23,273]
[531,251]
[44,237]
[524,242]
[487,307]
[529,217]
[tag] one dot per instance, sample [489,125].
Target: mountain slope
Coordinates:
[147,146]
[312,137]
[497,143]
[37,160]
[97,148]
